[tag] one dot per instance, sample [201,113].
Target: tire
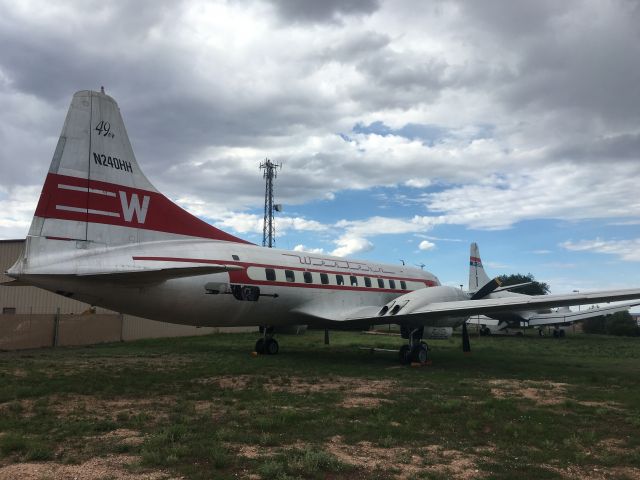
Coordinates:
[272,347]
[260,346]
[420,354]
[405,355]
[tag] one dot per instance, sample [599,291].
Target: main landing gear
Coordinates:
[267,345]
[417,350]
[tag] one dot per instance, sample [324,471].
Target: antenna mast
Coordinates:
[269,228]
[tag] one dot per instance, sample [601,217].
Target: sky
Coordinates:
[405,129]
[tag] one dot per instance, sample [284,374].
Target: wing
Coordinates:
[569,317]
[429,306]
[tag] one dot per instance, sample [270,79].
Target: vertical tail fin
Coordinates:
[477,276]
[95,190]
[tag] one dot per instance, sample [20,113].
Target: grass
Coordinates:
[202,407]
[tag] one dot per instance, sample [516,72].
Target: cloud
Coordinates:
[303,248]
[555,191]
[351,245]
[350,96]
[17,205]
[426,245]
[311,11]
[628,249]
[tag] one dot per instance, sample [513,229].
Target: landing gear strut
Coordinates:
[417,350]
[267,344]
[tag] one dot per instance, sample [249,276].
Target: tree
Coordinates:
[535,288]
[619,323]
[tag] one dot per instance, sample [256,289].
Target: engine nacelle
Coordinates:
[419,298]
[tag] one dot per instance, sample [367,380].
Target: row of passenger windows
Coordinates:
[307,277]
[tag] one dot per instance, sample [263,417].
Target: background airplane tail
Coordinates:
[95,191]
[477,276]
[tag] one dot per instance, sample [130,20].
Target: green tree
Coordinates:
[535,288]
[619,323]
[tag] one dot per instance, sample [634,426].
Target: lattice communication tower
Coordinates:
[269,228]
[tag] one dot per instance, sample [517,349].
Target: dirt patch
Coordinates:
[540,392]
[431,459]
[113,466]
[254,451]
[592,472]
[228,382]
[65,406]
[355,386]
[124,436]
[363,402]
[607,404]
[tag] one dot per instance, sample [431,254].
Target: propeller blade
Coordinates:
[486,289]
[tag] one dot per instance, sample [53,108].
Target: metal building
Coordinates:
[32,317]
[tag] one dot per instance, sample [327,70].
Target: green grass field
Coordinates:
[203,407]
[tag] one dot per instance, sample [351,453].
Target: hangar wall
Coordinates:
[28,316]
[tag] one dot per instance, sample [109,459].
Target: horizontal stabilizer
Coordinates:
[14,283]
[151,276]
[133,278]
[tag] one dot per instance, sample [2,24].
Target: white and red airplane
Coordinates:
[501,322]
[104,235]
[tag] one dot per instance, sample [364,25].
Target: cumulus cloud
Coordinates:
[426,245]
[493,113]
[303,248]
[628,249]
[351,245]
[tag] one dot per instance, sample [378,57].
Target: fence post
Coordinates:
[56,326]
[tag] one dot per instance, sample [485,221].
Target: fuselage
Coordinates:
[293,286]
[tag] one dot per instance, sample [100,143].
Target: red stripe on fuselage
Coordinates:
[242,276]
[162,215]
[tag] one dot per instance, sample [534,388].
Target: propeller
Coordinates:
[486,289]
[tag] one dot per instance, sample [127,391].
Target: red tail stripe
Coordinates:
[476,259]
[162,215]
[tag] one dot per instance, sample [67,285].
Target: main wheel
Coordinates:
[260,346]
[420,353]
[405,355]
[272,346]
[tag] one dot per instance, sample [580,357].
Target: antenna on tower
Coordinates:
[269,228]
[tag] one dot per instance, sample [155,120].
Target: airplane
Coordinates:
[502,322]
[103,234]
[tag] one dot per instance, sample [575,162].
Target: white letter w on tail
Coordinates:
[129,208]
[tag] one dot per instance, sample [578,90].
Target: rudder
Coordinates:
[95,190]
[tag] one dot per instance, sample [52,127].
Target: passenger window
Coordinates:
[289,275]
[271,274]
[324,278]
[307,277]
[354,280]
[392,284]
[403,285]
[339,280]
[367,282]
[380,283]
[235,257]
